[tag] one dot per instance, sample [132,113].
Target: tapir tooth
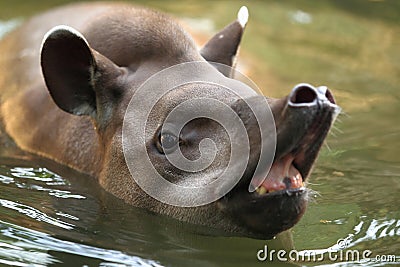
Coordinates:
[261,190]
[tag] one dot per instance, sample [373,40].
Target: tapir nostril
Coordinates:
[330,97]
[303,94]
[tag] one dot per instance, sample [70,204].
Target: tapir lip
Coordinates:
[283,193]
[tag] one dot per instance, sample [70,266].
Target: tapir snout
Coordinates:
[303,119]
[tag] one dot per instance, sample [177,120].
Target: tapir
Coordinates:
[68,75]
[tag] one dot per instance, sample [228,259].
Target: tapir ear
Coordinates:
[223,46]
[70,68]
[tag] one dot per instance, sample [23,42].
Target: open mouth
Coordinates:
[290,169]
[283,177]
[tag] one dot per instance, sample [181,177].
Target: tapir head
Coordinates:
[98,72]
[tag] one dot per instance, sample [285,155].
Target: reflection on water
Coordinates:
[49,216]
[35,192]
[366,230]
[33,213]
[47,178]
[21,245]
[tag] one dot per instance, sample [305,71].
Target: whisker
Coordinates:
[309,183]
[327,146]
[343,113]
[337,129]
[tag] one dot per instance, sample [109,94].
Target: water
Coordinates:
[50,215]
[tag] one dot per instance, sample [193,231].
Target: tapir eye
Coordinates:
[167,142]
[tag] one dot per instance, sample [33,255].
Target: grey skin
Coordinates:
[70,108]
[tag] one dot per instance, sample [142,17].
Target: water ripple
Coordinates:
[31,178]
[24,247]
[34,214]
[366,230]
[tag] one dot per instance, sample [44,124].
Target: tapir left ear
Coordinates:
[71,70]
[223,47]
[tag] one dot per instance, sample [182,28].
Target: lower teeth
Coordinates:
[261,190]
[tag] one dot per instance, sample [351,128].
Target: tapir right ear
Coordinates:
[70,68]
[223,46]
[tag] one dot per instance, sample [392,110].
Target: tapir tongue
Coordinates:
[282,175]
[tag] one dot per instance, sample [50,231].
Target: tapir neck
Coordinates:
[67,139]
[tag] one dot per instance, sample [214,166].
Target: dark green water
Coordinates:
[50,216]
